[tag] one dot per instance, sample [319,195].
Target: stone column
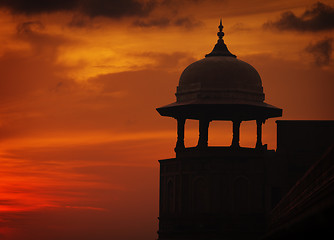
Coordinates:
[180,134]
[203,133]
[259,133]
[236,134]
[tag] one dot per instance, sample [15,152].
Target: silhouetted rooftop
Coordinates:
[220,87]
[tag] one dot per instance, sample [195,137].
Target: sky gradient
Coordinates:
[80,81]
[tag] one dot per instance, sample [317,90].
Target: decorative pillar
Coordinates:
[180,134]
[259,133]
[203,133]
[236,133]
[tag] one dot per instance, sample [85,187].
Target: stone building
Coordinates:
[223,192]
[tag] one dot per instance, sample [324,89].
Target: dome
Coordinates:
[220,87]
[220,79]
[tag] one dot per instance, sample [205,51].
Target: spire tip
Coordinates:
[220,48]
[220,34]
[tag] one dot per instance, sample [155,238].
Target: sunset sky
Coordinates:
[79,84]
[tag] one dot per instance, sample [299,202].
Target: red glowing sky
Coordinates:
[80,137]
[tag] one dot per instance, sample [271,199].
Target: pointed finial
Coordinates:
[220,48]
[220,34]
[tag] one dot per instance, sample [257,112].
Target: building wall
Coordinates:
[300,143]
[219,191]
[210,195]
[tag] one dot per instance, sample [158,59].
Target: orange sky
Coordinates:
[80,137]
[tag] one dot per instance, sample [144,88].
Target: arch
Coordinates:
[170,196]
[201,198]
[241,195]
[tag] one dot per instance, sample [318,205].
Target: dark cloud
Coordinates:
[84,11]
[187,22]
[319,17]
[321,51]
[115,8]
[38,6]
[178,2]
[41,43]
[157,22]
[29,27]
[92,8]
[162,22]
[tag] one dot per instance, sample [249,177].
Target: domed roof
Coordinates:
[220,87]
[220,79]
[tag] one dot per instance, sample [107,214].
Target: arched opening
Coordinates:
[220,133]
[191,133]
[269,134]
[170,197]
[201,203]
[241,195]
[248,134]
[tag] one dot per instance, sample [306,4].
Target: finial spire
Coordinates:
[220,48]
[220,34]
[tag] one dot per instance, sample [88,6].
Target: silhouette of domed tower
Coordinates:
[216,192]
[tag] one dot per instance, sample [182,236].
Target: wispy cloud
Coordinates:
[318,18]
[321,51]
[162,22]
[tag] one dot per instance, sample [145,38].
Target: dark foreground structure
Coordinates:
[234,192]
